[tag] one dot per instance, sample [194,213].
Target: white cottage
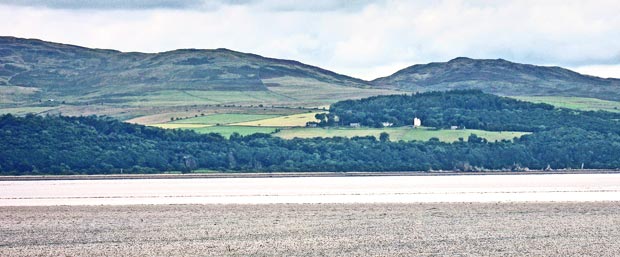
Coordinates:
[417,122]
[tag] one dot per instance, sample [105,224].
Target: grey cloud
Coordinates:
[108,4]
[318,5]
[361,38]
[269,5]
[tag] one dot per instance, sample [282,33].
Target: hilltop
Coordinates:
[52,78]
[33,70]
[500,77]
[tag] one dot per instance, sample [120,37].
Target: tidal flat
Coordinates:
[356,189]
[445,229]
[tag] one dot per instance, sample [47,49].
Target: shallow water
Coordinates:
[388,189]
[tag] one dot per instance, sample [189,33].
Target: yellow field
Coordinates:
[295,120]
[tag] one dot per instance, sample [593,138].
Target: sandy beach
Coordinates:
[446,229]
[480,215]
[375,189]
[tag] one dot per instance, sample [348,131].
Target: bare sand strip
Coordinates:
[446,229]
[377,189]
[294,174]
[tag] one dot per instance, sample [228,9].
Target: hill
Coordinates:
[33,145]
[500,77]
[470,109]
[51,78]
[33,70]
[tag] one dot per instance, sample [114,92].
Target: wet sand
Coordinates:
[376,189]
[480,215]
[446,229]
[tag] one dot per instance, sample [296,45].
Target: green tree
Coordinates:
[384,137]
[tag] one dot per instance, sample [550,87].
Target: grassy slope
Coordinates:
[195,97]
[132,84]
[579,103]
[226,131]
[292,126]
[229,118]
[180,125]
[312,93]
[296,120]
[397,134]
[500,77]
[25,110]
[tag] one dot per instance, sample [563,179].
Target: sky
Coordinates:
[365,39]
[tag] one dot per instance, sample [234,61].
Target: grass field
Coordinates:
[290,92]
[226,131]
[24,110]
[293,126]
[296,120]
[181,98]
[179,125]
[227,118]
[397,134]
[311,92]
[579,103]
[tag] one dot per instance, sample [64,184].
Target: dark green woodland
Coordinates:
[99,145]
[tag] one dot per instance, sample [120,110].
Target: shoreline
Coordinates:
[216,175]
[352,189]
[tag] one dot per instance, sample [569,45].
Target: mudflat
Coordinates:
[506,229]
[357,189]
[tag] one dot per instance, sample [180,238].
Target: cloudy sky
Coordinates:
[364,38]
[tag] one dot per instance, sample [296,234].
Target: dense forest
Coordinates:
[466,109]
[98,145]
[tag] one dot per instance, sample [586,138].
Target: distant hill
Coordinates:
[470,109]
[35,69]
[500,77]
[45,77]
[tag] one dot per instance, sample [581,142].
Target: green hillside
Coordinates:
[51,78]
[500,77]
[577,103]
[35,73]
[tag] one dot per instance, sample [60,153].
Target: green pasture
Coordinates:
[224,118]
[295,120]
[226,131]
[578,103]
[179,125]
[194,97]
[397,134]
[24,110]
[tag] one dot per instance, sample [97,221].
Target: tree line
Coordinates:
[98,145]
[466,109]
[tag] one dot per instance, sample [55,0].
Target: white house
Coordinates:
[387,124]
[417,122]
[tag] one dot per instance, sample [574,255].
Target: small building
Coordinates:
[454,127]
[387,124]
[312,124]
[417,122]
[354,125]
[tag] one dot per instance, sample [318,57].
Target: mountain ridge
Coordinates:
[37,69]
[501,77]
[71,69]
